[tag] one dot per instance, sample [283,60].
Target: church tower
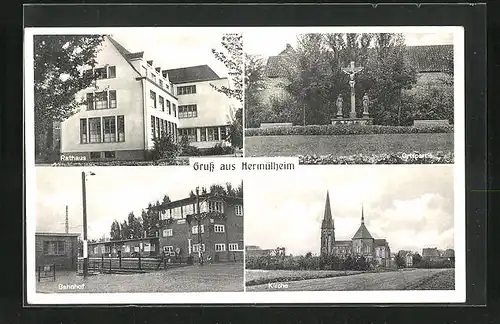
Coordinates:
[327,230]
[363,242]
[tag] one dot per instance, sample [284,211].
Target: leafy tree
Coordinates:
[125,230]
[239,190]
[165,148]
[254,85]
[115,233]
[309,255]
[232,57]
[166,199]
[400,261]
[217,189]
[235,129]
[134,226]
[417,260]
[58,77]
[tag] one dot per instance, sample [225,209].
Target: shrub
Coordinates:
[384,158]
[165,149]
[346,130]
[218,149]
[307,263]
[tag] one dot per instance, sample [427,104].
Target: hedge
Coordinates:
[346,130]
[267,262]
[179,161]
[392,158]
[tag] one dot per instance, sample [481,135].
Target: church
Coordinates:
[361,244]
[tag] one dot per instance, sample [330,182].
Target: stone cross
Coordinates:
[351,71]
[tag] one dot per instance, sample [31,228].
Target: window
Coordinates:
[101,100]
[174,108]
[111,72]
[109,129]
[215,206]
[103,250]
[176,213]
[161,83]
[54,248]
[127,248]
[121,128]
[96,249]
[220,247]
[162,104]
[157,124]
[83,131]
[187,210]
[167,232]
[233,246]
[112,99]
[203,134]
[190,133]
[219,228]
[95,130]
[152,76]
[90,101]
[223,133]
[188,111]
[186,90]
[194,230]
[153,126]
[100,73]
[109,154]
[168,107]
[95,155]
[238,210]
[213,133]
[152,96]
[107,249]
[168,248]
[196,248]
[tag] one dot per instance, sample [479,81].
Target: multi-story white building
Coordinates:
[204,112]
[132,102]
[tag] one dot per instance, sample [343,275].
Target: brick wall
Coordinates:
[65,261]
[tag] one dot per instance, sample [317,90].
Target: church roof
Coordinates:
[327,218]
[276,65]
[362,232]
[343,243]
[380,242]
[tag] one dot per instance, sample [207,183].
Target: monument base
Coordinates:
[352,121]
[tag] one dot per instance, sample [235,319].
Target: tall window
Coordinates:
[223,133]
[168,107]
[112,98]
[121,128]
[186,90]
[83,131]
[215,206]
[109,129]
[188,111]
[153,126]
[90,101]
[95,130]
[213,133]
[174,108]
[162,103]
[157,124]
[161,83]
[238,210]
[101,100]
[203,134]
[152,96]
[189,132]
[111,72]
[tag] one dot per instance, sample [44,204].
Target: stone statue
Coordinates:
[339,106]
[366,102]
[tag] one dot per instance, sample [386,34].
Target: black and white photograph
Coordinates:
[353,228]
[354,95]
[146,230]
[134,96]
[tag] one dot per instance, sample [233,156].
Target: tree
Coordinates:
[235,129]
[166,199]
[125,230]
[232,57]
[58,77]
[308,255]
[134,226]
[165,148]
[417,260]
[115,233]
[239,190]
[254,85]
[217,189]
[400,261]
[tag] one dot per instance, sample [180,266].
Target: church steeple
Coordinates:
[362,214]
[327,229]
[327,217]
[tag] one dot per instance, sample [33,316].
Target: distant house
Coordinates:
[59,249]
[256,251]
[431,254]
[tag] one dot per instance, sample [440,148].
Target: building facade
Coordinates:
[131,102]
[204,113]
[362,243]
[146,247]
[60,249]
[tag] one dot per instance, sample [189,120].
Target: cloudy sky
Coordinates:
[111,194]
[269,42]
[174,48]
[411,207]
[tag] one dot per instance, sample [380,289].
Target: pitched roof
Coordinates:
[191,74]
[123,51]
[449,253]
[343,243]
[429,58]
[362,233]
[327,218]
[380,242]
[276,65]
[430,252]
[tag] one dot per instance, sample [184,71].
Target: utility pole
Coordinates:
[198,216]
[85,252]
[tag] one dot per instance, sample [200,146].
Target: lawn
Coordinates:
[258,277]
[206,278]
[345,145]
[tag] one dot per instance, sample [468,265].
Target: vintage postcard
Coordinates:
[354,95]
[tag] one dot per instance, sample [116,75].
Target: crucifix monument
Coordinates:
[351,71]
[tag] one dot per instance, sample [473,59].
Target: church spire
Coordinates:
[362,214]
[327,218]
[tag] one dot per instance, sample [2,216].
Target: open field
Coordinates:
[345,145]
[206,278]
[257,277]
[418,279]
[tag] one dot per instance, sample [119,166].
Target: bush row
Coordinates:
[346,130]
[218,149]
[385,158]
[307,263]
[178,161]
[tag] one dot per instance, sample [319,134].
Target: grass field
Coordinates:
[258,277]
[343,145]
[207,278]
[418,279]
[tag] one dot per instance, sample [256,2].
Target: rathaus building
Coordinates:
[361,244]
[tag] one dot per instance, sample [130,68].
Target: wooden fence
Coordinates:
[124,265]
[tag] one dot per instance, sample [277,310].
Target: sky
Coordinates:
[411,207]
[170,48]
[269,42]
[111,194]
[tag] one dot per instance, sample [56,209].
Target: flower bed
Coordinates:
[392,158]
[346,130]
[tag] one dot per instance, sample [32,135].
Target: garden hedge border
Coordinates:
[439,157]
[346,130]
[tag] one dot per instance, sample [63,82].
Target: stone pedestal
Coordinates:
[352,121]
